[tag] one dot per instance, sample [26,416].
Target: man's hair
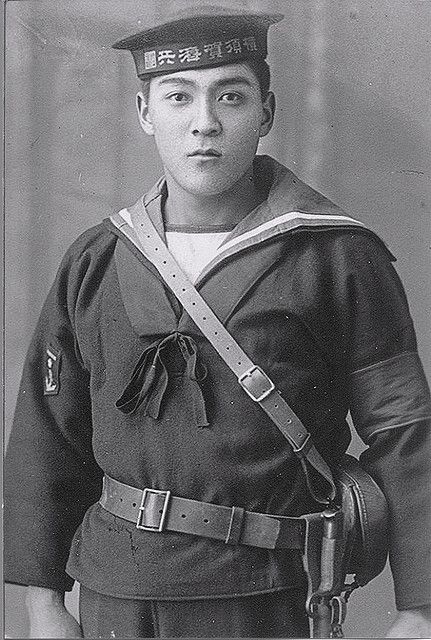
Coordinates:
[260,68]
[145,88]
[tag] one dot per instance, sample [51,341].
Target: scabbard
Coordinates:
[333,546]
[322,620]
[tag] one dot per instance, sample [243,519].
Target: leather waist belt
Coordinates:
[154,510]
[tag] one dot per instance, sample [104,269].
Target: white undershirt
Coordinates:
[193,251]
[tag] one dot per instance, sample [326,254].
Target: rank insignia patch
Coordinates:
[52,371]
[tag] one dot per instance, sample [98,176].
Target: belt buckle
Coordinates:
[256,383]
[159,527]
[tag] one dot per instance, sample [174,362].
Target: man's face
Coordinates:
[207,124]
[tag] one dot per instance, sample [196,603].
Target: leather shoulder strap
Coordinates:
[252,378]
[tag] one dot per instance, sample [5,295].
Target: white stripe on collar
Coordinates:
[297,218]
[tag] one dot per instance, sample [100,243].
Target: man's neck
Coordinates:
[229,208]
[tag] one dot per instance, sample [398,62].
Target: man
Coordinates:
[119,382]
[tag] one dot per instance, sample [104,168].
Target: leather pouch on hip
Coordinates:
[365,513]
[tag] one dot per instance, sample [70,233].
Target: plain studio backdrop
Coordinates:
[352,81]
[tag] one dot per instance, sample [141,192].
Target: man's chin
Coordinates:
[206,186]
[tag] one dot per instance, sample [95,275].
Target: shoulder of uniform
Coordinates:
[349,245]
[96,239]
[362,240]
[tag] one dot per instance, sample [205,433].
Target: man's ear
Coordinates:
[143,114]
[268,113]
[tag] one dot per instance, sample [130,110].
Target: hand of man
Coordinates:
[412,623]
[49,617]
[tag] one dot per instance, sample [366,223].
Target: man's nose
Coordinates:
[206,121]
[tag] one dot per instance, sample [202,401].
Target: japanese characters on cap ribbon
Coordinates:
[212,51]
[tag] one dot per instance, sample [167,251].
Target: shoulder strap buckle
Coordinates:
[256,383]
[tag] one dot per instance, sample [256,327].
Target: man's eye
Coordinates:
[230,98]
[178,97]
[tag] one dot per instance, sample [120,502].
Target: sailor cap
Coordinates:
[204,36]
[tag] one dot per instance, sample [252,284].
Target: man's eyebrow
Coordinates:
[219,83]
[234,80]
[177,80]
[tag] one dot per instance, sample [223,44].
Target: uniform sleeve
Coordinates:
[51,477]
[391,410]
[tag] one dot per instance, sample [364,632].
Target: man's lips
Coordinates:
[206,153]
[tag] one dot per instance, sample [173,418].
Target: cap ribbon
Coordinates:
[177,56]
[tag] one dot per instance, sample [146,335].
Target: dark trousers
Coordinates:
[270,615]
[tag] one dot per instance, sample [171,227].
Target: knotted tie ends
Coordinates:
[150,379]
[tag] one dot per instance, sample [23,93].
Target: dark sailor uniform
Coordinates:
[312,297]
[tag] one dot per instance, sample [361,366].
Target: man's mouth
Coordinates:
[206,153]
